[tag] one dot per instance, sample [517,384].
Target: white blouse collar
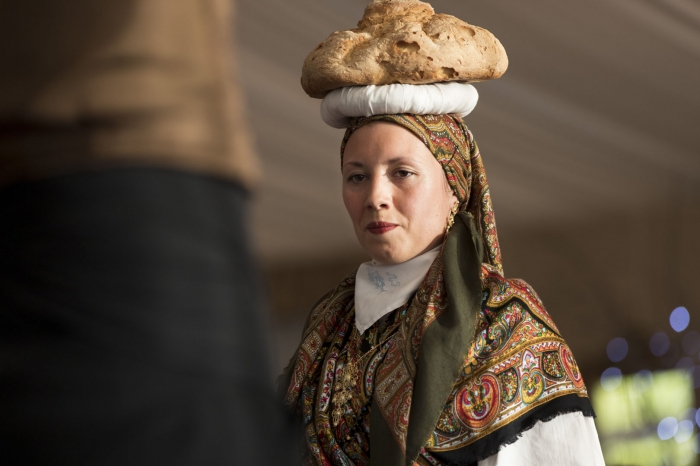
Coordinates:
[379,289]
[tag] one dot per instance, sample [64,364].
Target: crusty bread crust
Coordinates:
[403,41]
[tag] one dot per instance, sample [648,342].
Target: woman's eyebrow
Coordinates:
[388,162]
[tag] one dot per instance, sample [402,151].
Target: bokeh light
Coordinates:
[690,415]
[695,374]
[672,356]
[691,343]
[667,428]
[659,344]
[684,431]
[685,364]
[696,444]
[679,319]
[647,429]
[642,381]
[611,378]
[617,349]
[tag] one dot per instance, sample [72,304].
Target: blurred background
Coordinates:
[591,145]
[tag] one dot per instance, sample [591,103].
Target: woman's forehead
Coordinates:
[382,128]
[385,140]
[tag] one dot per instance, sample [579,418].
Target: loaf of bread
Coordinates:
[403,41]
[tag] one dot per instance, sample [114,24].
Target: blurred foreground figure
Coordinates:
[130,328]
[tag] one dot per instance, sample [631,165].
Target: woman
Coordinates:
[428,354]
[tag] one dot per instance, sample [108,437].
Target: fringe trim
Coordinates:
[490,445]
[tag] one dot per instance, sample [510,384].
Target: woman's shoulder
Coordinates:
[501,295]
[332,305]
[511,322]
[518,370]
[329,312]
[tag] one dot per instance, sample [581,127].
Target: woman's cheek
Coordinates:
[353,205]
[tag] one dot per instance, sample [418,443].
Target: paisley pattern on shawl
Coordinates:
[473,360]
[517,362]
[388,379]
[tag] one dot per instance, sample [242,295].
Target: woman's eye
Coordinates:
[356,178]
[403,173]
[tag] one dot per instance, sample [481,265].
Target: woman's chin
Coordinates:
[388,256]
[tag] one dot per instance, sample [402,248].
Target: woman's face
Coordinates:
[395,192]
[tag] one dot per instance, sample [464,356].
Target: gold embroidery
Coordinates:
[349,375]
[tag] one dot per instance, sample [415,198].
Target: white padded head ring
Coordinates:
[340,105]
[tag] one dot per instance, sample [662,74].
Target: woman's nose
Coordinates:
[379,195]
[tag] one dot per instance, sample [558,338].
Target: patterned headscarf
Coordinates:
[453,146]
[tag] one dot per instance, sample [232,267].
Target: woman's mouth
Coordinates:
[379,228]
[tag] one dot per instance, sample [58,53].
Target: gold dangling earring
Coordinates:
[451,217]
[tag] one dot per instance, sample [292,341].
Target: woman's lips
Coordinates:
[379,228]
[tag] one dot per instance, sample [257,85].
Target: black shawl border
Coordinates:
[490,445]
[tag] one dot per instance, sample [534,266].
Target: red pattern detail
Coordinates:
[570,366]
[478,402]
